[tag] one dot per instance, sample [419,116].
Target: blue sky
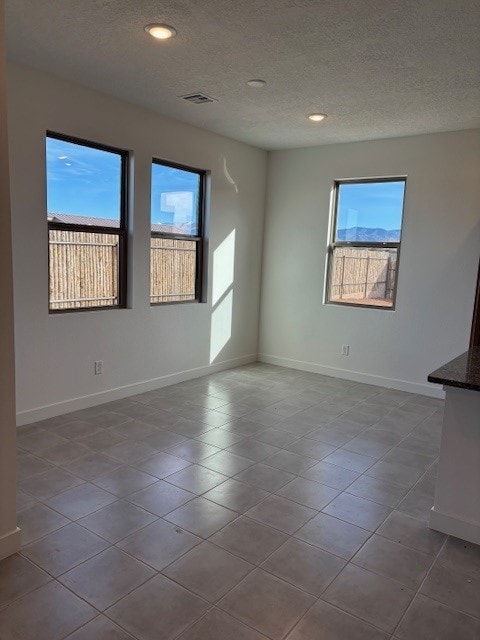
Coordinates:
[370,204]
[86,181]
[180,205]
[82,181]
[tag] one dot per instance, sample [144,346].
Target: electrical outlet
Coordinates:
[98,367]
[345,349]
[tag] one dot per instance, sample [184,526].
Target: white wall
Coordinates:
[9,534]
[55,353]
[438,264]
[145,347]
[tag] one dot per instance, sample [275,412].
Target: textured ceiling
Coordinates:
[378,68]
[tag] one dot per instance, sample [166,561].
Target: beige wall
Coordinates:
[437,269]
[142,347]
[9,535]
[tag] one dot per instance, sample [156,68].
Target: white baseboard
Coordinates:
[427,389]
[84,402]
[10,543]
[452,526]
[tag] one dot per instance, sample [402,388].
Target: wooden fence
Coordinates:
[363,275]
[83,270]
[172,270]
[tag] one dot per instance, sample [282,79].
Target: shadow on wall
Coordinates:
[222,295]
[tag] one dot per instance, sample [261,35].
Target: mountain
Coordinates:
[367,234]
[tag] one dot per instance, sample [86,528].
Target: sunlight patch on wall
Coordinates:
[228,176]
[223,267]
[222,295]
[221,326]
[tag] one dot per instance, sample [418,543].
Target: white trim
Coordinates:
[431,390]
[453,526]
[83,402]
[10,543]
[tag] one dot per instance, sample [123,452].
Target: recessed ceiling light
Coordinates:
[161,31]
[256,83]
[317,117]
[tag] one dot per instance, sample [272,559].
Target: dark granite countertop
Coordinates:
[463,372]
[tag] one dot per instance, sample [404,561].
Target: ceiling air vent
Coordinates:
[198,98]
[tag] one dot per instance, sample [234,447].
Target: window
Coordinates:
[87,224]
[365,246]
[177,221]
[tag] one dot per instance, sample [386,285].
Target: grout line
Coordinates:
[420,586]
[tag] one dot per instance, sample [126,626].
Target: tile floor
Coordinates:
[254,503]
